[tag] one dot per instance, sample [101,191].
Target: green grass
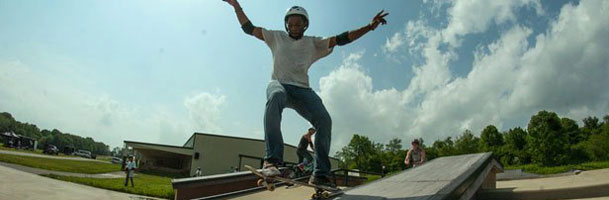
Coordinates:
[537,169]
[76,166]
[147,185]
[371,178]
[104,158]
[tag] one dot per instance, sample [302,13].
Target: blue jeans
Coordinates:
[306,103]
[304,157]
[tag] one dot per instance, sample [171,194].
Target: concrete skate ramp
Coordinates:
[453,177]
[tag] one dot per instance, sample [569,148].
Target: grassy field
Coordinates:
[76,166]
[537,169]
[371,178]
[104,158]
[147,185]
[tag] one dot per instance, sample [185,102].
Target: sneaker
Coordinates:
[321,181]
[270,169]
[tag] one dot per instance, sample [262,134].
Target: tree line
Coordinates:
[54,137]
[548,140]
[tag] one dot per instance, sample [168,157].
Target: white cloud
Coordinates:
[355,108]
[392,44]
[468,16]
[204,111]
[35,97]
[565,71]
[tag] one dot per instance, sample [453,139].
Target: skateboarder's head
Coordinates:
[312,131]
[415,143]
[296,21]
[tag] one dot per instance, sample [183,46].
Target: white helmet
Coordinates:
[297,10]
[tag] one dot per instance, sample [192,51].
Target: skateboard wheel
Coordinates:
[315,196]
[271,187]
[260,182]
[325,195]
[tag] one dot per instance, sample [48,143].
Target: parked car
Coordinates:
[51,149]
[83,153]
[116,160]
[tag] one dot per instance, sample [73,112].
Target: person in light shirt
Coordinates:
[130,168]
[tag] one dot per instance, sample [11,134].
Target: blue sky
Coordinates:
[157,71]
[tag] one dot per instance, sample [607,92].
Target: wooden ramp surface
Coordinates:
[441,178]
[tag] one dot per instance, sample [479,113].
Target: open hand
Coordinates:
[379,19]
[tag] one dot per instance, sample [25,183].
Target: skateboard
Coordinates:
[321,192]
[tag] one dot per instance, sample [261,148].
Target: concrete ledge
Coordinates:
[196,187]
[230,184]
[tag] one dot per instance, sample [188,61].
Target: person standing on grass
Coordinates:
[130,170]
[293,54]
[198,172]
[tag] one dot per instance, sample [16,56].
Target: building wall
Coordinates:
[217,154]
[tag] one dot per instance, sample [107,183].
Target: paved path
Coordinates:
[49,156]
[15,184]
[593,184]
[117,174]
[586,178]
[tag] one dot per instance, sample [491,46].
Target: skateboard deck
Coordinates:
[321,192]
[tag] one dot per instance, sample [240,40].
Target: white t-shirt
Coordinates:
[293,58]
[130,167]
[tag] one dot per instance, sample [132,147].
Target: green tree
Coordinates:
[393,155]
[117,152]
[7,122]
[444,147]
[548,144]
[515,147]
[361,153]
[467,143]
[591,126]
[571,128]
[597,146]
[491,139]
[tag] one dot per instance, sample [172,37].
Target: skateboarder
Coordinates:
[293,54]
[304,157]
[416,155]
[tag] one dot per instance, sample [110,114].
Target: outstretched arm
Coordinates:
[350,36]
[246,24]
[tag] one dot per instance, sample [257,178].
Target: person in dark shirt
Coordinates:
[304,157]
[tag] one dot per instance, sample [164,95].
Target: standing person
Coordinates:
[198,172]
[293,54]
[130,170]
[304,157]
[416,155]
